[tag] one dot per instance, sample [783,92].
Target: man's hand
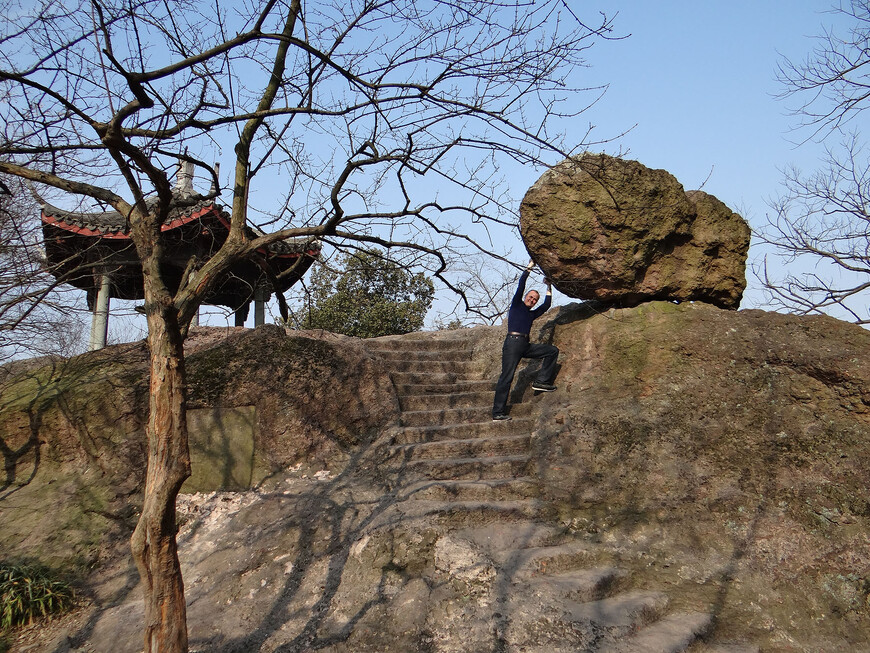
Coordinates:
[530,265]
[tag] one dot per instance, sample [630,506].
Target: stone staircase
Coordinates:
[447,456]
[530,586]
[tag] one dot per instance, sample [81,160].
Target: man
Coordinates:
[517,345]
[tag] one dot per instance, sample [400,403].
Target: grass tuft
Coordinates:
[29,592]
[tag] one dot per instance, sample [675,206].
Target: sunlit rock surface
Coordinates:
[614,230]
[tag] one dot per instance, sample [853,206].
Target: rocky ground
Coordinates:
[696,483]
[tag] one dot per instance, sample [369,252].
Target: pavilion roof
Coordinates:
[79,245]
[114,226]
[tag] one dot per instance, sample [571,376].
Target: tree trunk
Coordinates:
[153,542]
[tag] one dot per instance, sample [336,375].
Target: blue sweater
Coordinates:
[520,316]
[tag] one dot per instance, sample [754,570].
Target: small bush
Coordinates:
[28,592]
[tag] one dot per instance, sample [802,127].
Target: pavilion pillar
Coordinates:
[100,318]
[260,296]
[242,314]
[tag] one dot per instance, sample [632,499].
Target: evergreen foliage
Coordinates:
[369,296]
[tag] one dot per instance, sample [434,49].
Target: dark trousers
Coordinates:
[514,349]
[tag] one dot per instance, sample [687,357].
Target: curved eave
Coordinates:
[175,223]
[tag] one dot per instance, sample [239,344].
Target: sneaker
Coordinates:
[543,387]
[501,417]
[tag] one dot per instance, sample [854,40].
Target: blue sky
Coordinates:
[695,83]
[698,79]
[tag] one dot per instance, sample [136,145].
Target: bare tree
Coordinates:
[820,224]
[37,315]
[347,121]
[487,288]
[832,85]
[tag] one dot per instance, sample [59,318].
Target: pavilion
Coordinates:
[94,252]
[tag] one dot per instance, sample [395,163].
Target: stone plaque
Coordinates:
[221,448]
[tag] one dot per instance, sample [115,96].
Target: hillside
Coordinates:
[697,482]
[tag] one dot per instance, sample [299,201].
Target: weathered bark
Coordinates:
[153,543]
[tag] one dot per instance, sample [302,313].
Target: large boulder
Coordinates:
[616,231]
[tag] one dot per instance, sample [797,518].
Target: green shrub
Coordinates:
[28,592]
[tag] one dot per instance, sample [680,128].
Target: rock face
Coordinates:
[698,473]
[614,230]
[73,431]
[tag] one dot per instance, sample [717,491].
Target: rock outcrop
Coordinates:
[73,431]
[697,482]
[614,230]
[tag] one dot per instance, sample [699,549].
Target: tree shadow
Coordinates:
[332,505]
[329,510]
[34,393]
[35,396]
[30,394]
[729,574]
[634,508]
[128,580]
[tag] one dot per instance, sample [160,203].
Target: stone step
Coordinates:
[409,342]
[620,615]
[497,538]
[727,647]
[457,513]
[578,585]
[507,489]
[422,355]
[488,468]
[438,401]
[571,626]
[458,416]
[477,386]
[561,647]
[531,562]
[412,434]
[469,448]
[428,377]
[557,642]
[459,367]
[670,634]
[437,417]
